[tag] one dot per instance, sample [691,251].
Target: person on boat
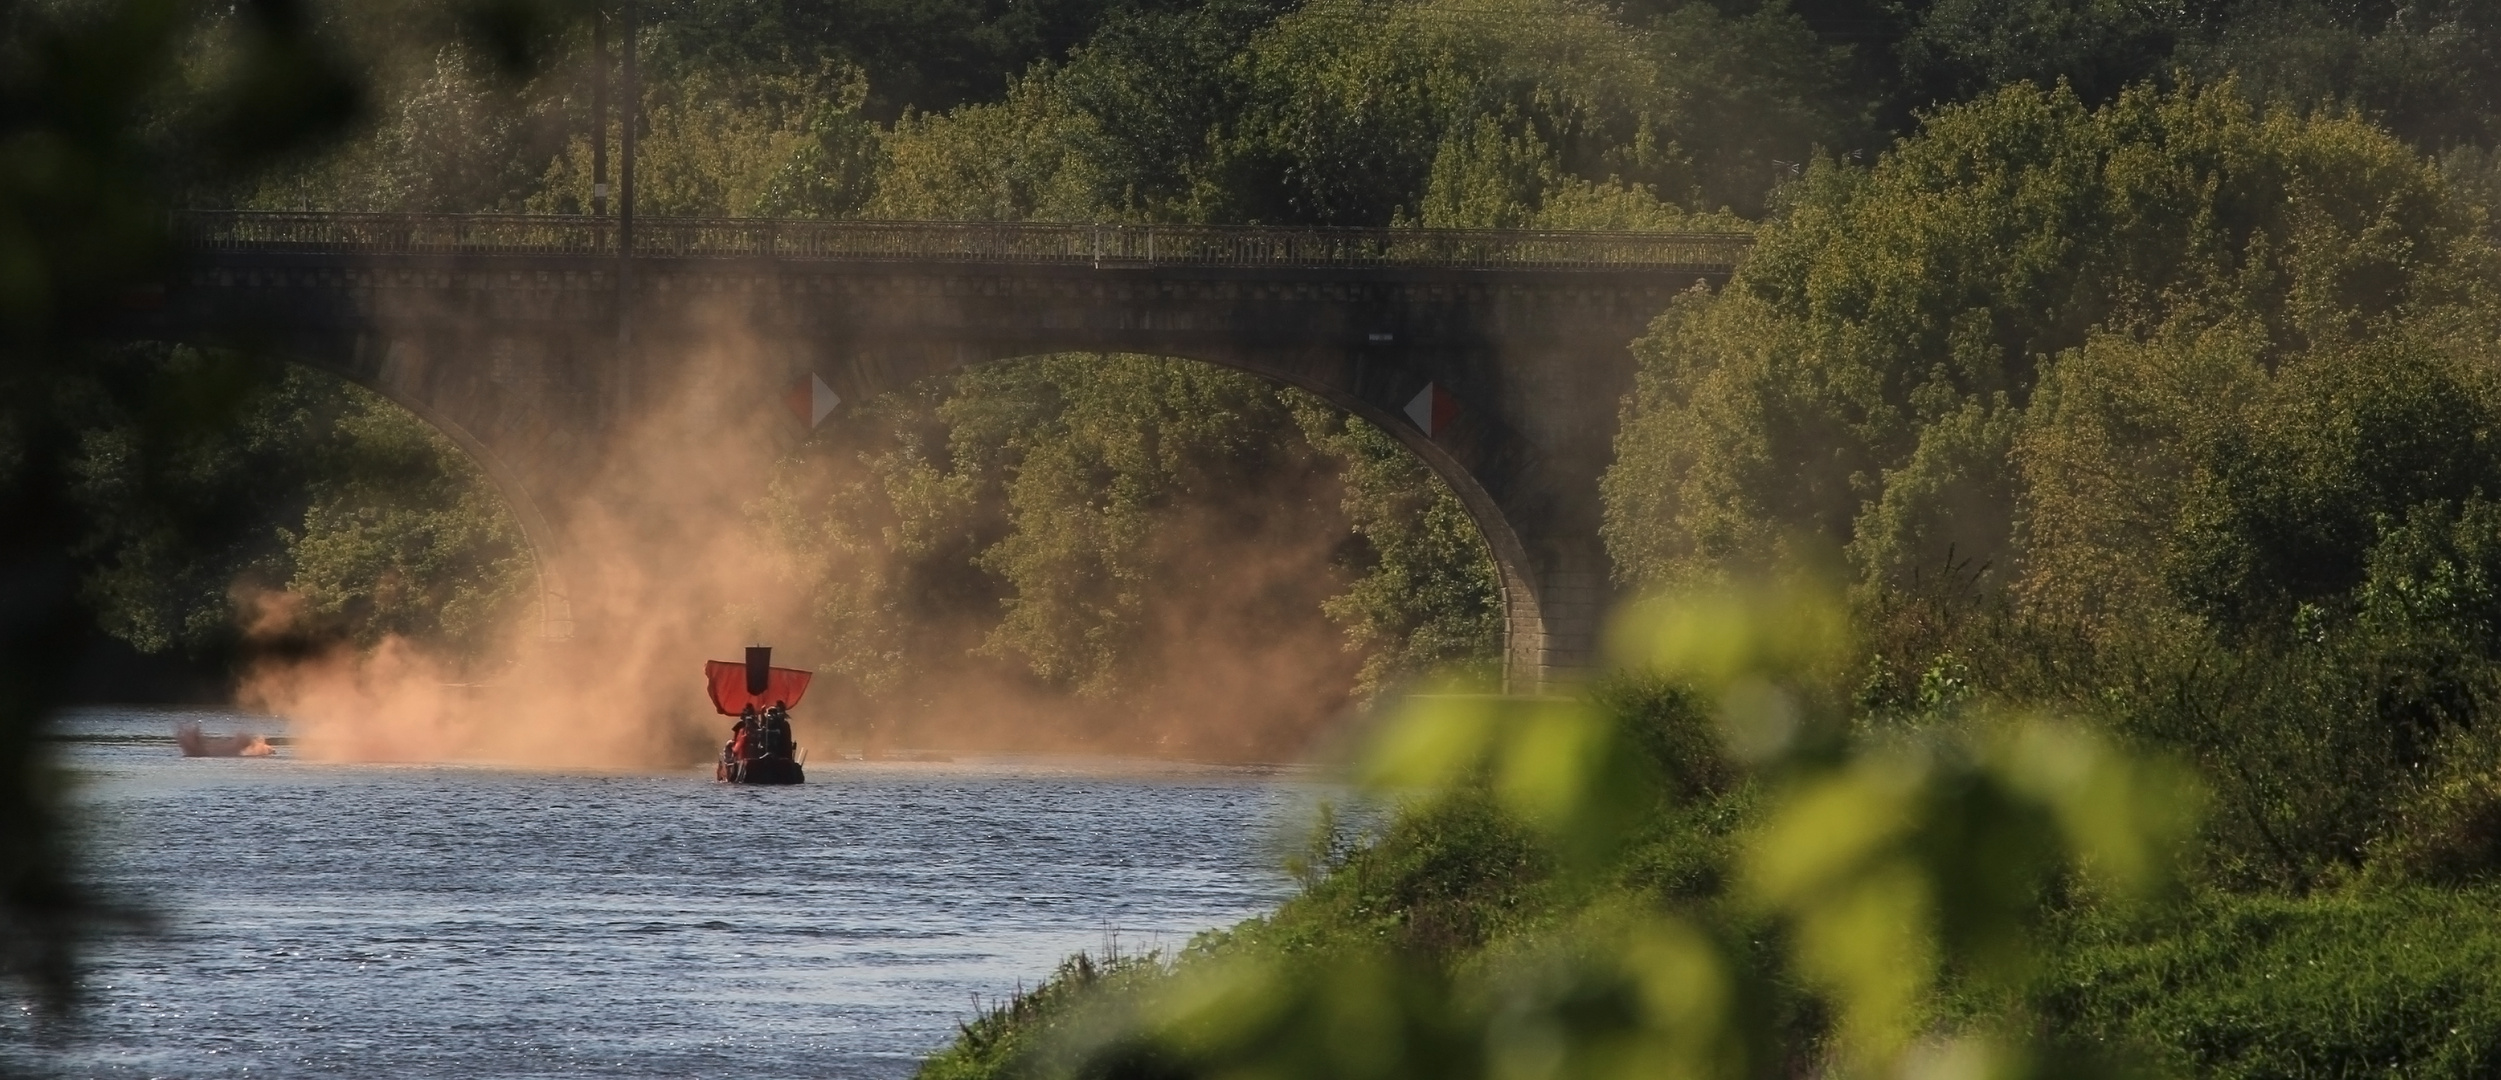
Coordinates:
[777,739]
[742,734]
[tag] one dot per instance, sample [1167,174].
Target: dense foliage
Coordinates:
[364,519]
[1438,112]
[2157,393]
[1152,541]
[1341,112]
[2129,362]
[1869,374]
[2194,400]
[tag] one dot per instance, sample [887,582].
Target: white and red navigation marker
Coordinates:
[1432,409]
[810,399]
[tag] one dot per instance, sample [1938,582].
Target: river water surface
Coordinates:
[404,921]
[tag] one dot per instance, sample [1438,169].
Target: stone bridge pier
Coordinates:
[1506,377]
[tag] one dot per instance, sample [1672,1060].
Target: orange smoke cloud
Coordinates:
[664,574]
[667,571]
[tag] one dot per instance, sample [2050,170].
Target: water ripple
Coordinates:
[464,922]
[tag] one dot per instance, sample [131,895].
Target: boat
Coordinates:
[761,749]
[197,743]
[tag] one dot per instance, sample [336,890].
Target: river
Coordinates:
[439,921]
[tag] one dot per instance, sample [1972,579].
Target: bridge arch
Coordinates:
[1523,619]
[1514,570]
[538,535]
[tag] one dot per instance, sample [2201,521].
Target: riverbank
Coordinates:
[2375,976]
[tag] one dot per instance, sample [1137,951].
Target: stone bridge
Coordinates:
[1500,358]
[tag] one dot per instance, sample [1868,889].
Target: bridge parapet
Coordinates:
[1031,243]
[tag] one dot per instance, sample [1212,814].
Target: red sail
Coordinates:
[729,686]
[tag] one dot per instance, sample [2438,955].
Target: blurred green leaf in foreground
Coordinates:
[99,127]
[111,112]
[1884,869]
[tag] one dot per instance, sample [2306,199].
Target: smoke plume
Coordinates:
[667,569]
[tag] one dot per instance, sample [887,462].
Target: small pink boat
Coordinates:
[197,743]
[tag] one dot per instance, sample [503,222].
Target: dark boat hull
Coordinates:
[196,743]
[777,770]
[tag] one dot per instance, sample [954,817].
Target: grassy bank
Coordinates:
[1475,903]
[2371,982]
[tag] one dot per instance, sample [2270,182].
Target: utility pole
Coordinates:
[599,112]
[629,116]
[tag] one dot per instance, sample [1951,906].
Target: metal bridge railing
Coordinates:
[265,232]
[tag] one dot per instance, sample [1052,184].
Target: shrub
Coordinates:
[2369,984]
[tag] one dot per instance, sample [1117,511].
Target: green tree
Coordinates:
[1150,476]
[2429,71]
[1160,93]
[737,144]
[1108,527]
[370,523]
[1423,598]
[1354,107]
[918,55]
[404,537]
[1860,379]
[1010,161]
[1962,49]
[2155,382]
